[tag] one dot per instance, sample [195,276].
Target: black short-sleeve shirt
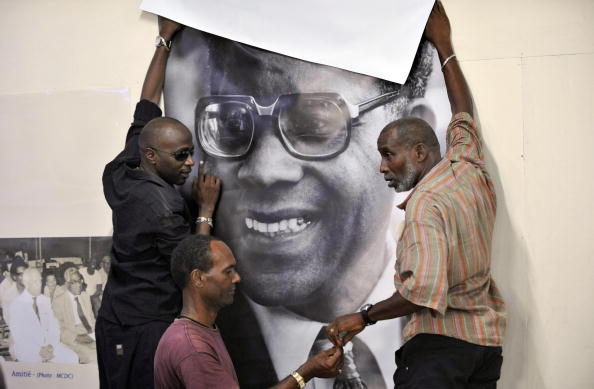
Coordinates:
[149,219]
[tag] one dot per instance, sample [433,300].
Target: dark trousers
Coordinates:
[125,354]
[430,361]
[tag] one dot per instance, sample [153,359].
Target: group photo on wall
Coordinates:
[50,295]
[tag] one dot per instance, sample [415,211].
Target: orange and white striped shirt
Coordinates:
[444,251]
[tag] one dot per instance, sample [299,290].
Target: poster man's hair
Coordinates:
[224,54]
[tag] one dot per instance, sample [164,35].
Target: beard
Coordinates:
[408,181]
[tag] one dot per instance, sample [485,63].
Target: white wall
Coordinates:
[529,64]
[91,56]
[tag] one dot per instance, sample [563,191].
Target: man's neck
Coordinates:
[195,309]
[150,169]
[147,167]
[432,160]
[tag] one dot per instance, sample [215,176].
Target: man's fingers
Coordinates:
[436,9]
[349,335]
[336,358]
[213,181]
[201,169]
[332,334]
[439,9]
[335,354]
[331,351]
[195,187]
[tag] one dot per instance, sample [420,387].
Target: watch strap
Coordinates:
[299,379]
[365,314]
[160,41]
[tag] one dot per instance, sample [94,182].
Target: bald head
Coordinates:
[411,131]
[160,130]
[32,281]
[166,150]
[409,150]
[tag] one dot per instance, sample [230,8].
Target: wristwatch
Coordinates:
[365,313]
[160,41]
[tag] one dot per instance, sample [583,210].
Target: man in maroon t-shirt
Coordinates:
[191,353]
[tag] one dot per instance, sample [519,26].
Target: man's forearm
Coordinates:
[290,382]
[344,328]
[458,91]
[438,32]
[155,76]
[392,307]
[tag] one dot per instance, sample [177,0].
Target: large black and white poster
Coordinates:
[304,208]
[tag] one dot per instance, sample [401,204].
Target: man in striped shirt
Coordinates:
[454,336]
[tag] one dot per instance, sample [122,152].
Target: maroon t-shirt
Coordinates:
[193,357]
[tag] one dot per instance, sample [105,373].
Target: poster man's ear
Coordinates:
[420,108]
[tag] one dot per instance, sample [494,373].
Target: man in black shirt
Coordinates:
[149,218]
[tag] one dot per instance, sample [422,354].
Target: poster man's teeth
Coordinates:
[283,226]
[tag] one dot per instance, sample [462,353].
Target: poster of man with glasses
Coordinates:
[304,208]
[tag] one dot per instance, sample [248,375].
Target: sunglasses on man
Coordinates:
[180,155]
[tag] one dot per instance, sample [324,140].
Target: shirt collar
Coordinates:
[402,205]
[71,295]
[140,174]
[26,295]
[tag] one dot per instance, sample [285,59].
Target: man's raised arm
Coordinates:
[155,75]
[206,187]
[438,32]
[344,328]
